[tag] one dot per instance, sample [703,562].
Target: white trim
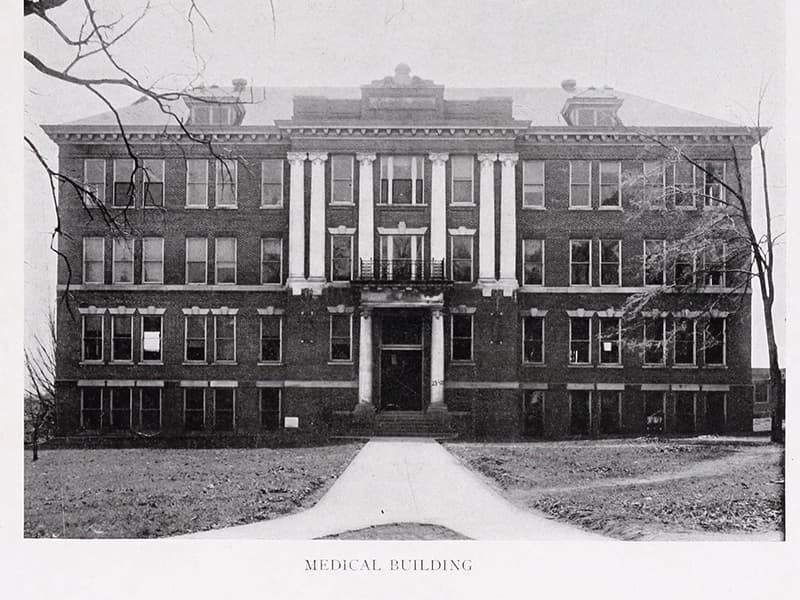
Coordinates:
[601,341]
[205,261]
[330,338]
[471,257]
[589,283]
[600,204]
[121,310]
[320,384]
[102,260]
[204,315]
[580,313]
[341,309]
[333,179]
[129,316]
[114,243]
[160,338]
[279,316]
[543,244]
[580,387]
[589,341]
[145,260]
[538,315]
[471,158]
[415,158]
[471,338]
[618,264]
[334,234]
[685,387]
[188,183]
[217,261]
[193,383]
[91,310]
[151,310]
[91,383]
[715,387]
[401,229]
[224,310]
[219,184]
[270,310]
[543,205]
[655,387]
[270,384]
[282,183]
[610,387]
[159,383]
[102,336]
[223,383]
[195,310]
[261,264]
[580,206]
[216,337]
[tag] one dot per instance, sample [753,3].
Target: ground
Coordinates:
[641,489]
[399,531]
[155,492]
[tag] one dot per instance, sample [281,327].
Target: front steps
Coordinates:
[440,425]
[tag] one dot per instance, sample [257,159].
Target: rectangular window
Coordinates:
[461,337]
[122,265]
[341,179]
[533,413]
[94,181]
[122,337]
[271,329]
[654,262]
[150,408]
[684,341]
[225,190]
[270,408]
[401,179]
[714,265]
[713,178]
[341,337]
[654,184]
[153,182]
[196,260]
[684,268]
[654,341]
[194,408]
[197,183]
[714,341]
[533,262]
[93,260]
[610,183]
[580,184]
[533,340]
[120,413]
[271,260]
[610,262]
[92,344]
[195,338]
[123,183]
[610,411]
[683,188]
[580,412]
[654,411]
[461,257]
[580,340]
[152,260]
[91,408]
[684,412]
[533,184]
[224,338]
[341,257]
[152,334]
[224,409]
[610,341]
[271,182]
[225,260]
[462,180]
[580,262]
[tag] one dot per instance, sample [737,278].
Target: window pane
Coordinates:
[196,249]
[462,326]
[581,171]
[226,249]
[462,167]
[533,172]
[270,408]
[462,191]
[340,326]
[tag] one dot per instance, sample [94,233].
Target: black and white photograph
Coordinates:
[338,271]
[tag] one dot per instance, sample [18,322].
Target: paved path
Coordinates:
[396,480]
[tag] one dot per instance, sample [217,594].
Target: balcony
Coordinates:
[401,271]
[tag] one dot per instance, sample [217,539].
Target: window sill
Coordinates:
[342,204]
[153,206]
[610,366]
[462,205]
[225,363]
[226,207]
[686,208]
[534,208]
[225,283]
[580,366]
[716,367]
[462,363]
[92,362]
[342,284]
[655,366]
[611,208]
[121,362]
[531,287]
[271,207]
[194,363]
[340,362]
[674,366]
[580,208]
[610,286]
[151,283]
[122,283]
[271,364]
[151,363]
[196,207]
[581,285]
[401,205]
[537,364]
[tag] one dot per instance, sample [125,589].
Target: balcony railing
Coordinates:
[401,270]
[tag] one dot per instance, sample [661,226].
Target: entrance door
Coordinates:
[401,361]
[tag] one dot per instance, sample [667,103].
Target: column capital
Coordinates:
[508,158]
[487,158]
[437,312]
[296,156]
[437,157]
[366,159]
[366,312]
[317,157]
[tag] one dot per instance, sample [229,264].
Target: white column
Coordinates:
[365,357]
[508,223]
[366,211]
[437,360]
[297,221]
[316,229]
[438,207]
[486,232]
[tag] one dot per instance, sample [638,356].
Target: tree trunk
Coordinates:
[776,383]
[35,444]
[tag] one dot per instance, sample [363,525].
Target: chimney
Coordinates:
[239,85]
[569,85]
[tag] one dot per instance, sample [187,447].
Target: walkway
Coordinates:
[396,480]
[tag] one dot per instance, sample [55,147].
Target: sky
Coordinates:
[712,57]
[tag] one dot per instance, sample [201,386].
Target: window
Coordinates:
[654,411]
[224,409]
[580,262]
[224,338]
[610,183]
[91,407]
[401,179]
[654,341]
[122,267]
[271,260]
[92,345]
[197,183]
[533,184]
[533,339]
[580,184]
[610,411]
[533,413]
[122,337]
[341,179]
[152,335]
[684,341]
[610,261]
[94,180]
[271,329]
[683,190]
[93,260]
[580,340]
[152,260]
[461,337]
[714,265]
[610,341]
[196,257]
[461,257]
[225,260]
[684,268]
[194,408]
[123,182]
[402,257]
[271,182]
[713,177]
[580,412]
[341,337]
[341,257]
[120,413]
[225,189]
[654,259]
[654,184]
[270,408]
[684,412]
[533,262]
[150,408]
[205,113]
[594,116]
[153,182]
[462,180]
[195,338]
[714,341]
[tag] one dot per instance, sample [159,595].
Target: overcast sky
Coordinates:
[711,56]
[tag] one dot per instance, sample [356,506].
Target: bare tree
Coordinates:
[40,371]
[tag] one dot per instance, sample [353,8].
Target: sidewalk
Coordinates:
[396,480]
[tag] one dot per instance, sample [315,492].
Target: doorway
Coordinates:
[401,361]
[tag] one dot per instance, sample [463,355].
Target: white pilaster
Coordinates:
[486,233]
[316,229]
[297,221]
[365,357]
[438,207]
[508,223]
[437,360]
[366,210]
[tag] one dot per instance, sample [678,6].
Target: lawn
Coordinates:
[640,489]
[142,493]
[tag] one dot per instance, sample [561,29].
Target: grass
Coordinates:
[399,531]
[141,493]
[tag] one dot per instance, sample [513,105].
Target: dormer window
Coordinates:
[595,117]
[591,107]
[213,114]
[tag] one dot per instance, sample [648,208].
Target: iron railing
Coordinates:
[401,270]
